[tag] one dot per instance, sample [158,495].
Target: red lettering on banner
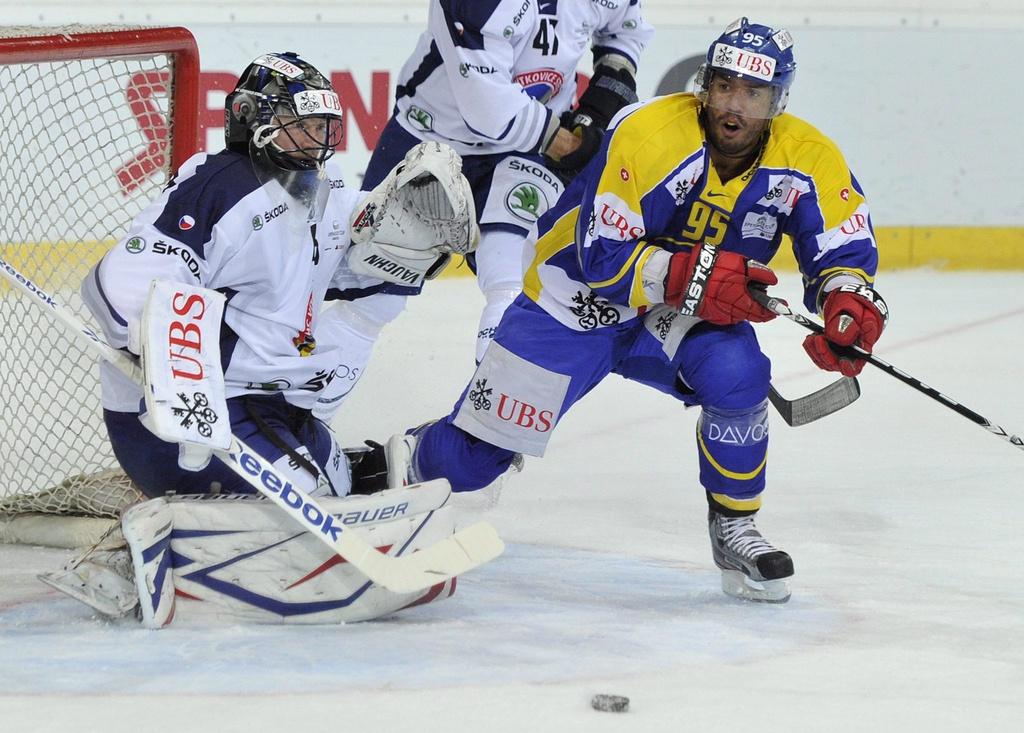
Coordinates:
[139,92]
[370,121]
[212,117]
[856,223]
[524,415]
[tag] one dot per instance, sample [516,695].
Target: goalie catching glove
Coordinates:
[854,315]
[711,284]
[409,226]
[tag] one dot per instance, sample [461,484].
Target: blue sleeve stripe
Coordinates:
[430,63]
[471,17]
[228,337]
[357,293]
[501,136]
[194,206]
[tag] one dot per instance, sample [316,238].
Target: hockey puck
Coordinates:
[610,703]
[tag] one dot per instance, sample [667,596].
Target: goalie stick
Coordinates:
[779,307]
[463,551]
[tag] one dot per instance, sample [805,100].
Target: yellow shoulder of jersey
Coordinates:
[656,137]
[798,144]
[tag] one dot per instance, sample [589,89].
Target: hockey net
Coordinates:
[95,120]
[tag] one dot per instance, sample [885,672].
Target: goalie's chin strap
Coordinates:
[270,434]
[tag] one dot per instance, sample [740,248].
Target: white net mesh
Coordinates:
[86,145]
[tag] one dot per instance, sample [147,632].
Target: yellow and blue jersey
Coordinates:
[653,185]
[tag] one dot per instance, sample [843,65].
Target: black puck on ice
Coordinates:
[610,703]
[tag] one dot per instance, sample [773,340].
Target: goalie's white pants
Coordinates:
[499,273]
[237,558]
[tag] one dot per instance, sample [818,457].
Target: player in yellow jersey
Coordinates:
[644,267]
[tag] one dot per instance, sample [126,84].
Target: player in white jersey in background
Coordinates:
[495,80]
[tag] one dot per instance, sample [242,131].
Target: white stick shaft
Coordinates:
[452,556]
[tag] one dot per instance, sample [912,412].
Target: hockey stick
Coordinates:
[852,352]
[463,551]
[814,406]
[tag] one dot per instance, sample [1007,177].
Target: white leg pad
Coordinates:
[238,558]
[147,529]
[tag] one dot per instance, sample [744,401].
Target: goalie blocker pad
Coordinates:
[180,349]
[231,557]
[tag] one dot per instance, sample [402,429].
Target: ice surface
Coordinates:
[903,518]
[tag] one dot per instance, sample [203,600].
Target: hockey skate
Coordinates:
[376,467]
[103,580]
[752,568]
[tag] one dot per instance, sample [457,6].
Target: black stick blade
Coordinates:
[816,405]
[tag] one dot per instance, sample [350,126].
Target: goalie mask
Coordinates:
[285,115]
[757,54]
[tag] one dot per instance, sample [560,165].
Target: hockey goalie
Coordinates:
[219,345]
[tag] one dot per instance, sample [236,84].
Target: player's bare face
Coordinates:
[737,112]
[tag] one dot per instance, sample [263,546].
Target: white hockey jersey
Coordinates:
[489,76]
[218,227]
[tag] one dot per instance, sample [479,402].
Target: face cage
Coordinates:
[293,147]
[706,74]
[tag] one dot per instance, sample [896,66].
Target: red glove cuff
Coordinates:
[712,284]
[855,315]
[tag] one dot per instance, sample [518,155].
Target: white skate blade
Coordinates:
[96,586]
[738,585]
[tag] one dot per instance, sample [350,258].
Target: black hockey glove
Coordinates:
[610,90]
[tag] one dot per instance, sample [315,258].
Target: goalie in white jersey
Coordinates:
[495,80]
[269,224]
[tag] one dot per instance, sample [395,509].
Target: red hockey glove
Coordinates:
[854,316]
[711,284]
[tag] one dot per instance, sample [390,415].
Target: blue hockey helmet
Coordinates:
[753,52]
[286,107]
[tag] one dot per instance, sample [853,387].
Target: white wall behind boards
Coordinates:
[919,96]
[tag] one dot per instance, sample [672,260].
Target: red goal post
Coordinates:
[96,120]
